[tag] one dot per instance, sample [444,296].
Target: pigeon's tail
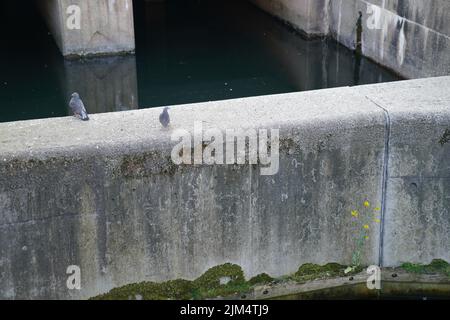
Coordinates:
[84,116]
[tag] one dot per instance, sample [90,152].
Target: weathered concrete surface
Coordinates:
[417,221]
[104,194]
[412,37]
[307,16]
[106,27]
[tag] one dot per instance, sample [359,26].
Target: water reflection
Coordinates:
[307,64]
[186,51]
[36,82]
[192,51]
[105,84]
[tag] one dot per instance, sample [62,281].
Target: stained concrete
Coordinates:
[307,16]
[417,220]
[106,27]
[104,194]
[411,37]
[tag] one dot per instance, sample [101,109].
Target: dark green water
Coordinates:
[186,51]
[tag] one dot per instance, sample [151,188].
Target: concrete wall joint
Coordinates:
[385,175]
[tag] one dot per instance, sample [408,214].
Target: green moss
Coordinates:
[310,271]
[222,291]
[211,278]
[436,266]
[261,278]
[209,285]
[175,289]
[206,286]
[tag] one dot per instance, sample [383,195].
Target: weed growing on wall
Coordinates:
[364,219]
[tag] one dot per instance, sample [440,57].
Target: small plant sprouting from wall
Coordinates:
[364,219]
[445,137]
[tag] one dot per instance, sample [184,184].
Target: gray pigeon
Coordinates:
[164,117]
[77,107]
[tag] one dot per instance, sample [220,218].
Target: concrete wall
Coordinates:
[417,199]
[412,37]
[105,195]
[106,27]
[307,16]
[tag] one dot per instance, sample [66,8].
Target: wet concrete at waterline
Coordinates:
[388,291]
[186,51]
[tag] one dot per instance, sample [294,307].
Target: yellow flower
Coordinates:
[355,213]
[366,226]
[377,209]
[376,220]
[366,237]
[366,204]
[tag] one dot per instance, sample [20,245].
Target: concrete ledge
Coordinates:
[404,284]
[104,194]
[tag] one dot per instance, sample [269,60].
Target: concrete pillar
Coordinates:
[91,27]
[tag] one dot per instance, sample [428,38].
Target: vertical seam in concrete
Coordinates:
[133,26]
[62,25]
[328,19]
[385,178]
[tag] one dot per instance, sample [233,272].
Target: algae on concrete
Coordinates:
[206,286]
[209,284]
[174,289]
[436,266]
[261,278]
[310,271]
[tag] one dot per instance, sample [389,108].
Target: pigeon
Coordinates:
[164,117]
[77,107]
